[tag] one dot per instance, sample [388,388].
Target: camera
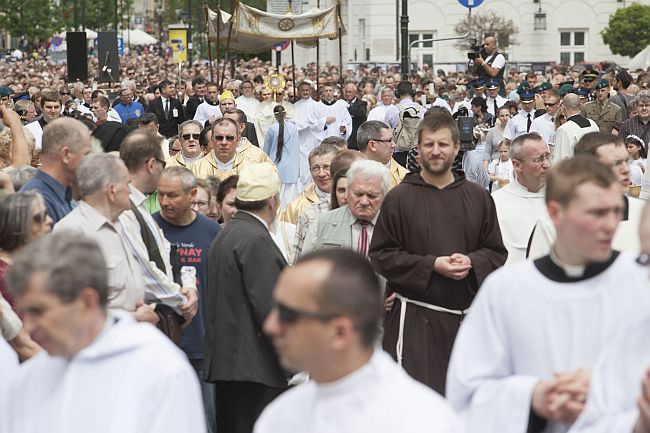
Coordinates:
[466,128]
[477,50]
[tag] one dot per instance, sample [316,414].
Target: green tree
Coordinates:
[35,20]
[486,23]
[628,31]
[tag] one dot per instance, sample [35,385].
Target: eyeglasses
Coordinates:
[164,164]
[40,217]
[546,104]
[390,140]
[200,204]
[317,168]
[541,159]
[188,136]
[289,316]
[224,137]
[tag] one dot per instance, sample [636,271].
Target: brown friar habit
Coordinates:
[417,223]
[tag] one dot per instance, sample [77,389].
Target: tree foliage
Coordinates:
[628,31]
[486,23]
[35,20]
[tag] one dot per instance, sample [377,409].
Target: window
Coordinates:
[427,36]
[573,46]
[565,58]
[565,38]
[579,38]
[423,52]
[578,57]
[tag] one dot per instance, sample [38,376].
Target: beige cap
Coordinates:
[258,182]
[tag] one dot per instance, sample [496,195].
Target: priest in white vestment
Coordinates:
[354,386]
[264,118]
[536,319]
[209,108]
[573,129]
[338,120]
[101,371]
[311,128]
[520,203]
[380,111]
[247,102]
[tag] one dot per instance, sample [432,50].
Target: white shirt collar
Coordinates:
[258,218]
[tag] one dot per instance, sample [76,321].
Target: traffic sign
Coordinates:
[120,46]
[470,3]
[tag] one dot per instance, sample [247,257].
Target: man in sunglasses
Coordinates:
[544,125]
[189,133]
[244,266]
[325,321]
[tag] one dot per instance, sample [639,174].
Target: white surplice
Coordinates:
[626,237]
[379,397]
[310,121]
[518,211]
[616,384]
[248,105]
[338,110]
[130,379]
[523,327]
[9,366]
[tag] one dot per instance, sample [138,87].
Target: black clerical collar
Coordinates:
[211,103]
[328,103]
[553,272]
[626,208]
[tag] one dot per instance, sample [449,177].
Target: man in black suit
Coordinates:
[244,266]
[358,111]
[168,109]
[199,85]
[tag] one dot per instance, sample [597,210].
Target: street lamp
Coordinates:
[539,22]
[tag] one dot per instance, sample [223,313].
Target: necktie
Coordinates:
[167,109]
[496,109]
[362,248]
[529,123]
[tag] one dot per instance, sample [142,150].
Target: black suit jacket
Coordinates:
[359,112]
[249,132]
[167,127]
[244,265]
[193,103]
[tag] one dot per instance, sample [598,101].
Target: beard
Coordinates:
[442,168]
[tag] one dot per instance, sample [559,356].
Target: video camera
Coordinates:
[466,127]
[477,50]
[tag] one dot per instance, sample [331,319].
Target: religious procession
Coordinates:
[201,239]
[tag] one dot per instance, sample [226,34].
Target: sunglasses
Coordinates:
[224,137]
[546,104]
[289,316]
[188,136]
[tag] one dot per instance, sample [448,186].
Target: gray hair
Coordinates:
[96,171]
[64,131]
[517,145]
[187,123]
[322,150]
[57,257]
[571,101]
[21,175]
[16,219]
[642,97]
[365,168]
[370,130]
[184,175]
[23,105]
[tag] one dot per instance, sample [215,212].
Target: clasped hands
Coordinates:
[562,398]
[456,266]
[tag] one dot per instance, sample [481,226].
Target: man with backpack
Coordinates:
[404,119]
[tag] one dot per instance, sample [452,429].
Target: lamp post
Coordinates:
[189,32]
[404,24]
[539,22]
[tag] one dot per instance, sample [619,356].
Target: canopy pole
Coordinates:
[293,71]
[338,14]
[207,24]
[232,19]
[218,42]
[317,60]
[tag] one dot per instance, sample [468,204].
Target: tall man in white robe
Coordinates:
[379,112]
[520,361]
[311,122]
[573,129]
[520,203]
[338,122]
[325,322]
[101,371]
[247,102]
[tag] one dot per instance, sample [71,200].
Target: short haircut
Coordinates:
[351,289]
[322,149]
[368,131]
[57,257]
[625,78]
[405,88]
[16,219]
[571,101]
[139,146]
[225,186]
[22,105]
[344,159]
[643,97]
[477,101]
[338,142]
[163,84]
[103,101]
[198,81]
[589,143]
[96,171]
[369,169]
[241,116]
[436,121]
[517,145]
[184,175]
[188,123]
[50,96]
[224,121]
[147,118]
[566,176]
[64,131]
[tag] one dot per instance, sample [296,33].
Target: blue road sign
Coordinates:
[120,47]
[470,3]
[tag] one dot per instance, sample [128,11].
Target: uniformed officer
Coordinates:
[523,120]
[494,100]
[589,78]
[606,114]
[479,88]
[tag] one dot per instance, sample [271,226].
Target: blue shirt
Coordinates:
[193,242]
[289,164]
[133,111]
[57,197]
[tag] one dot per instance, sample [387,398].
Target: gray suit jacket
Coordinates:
[334,229]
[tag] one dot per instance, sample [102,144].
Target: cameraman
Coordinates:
[493,65]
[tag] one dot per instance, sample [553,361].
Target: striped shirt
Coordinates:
[634,126]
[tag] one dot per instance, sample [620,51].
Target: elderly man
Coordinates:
[387,96]
[247,102]
[188,134]
[85,381]
[611,152]
[223,160]
[605,113]
[351,226]
[358,110]
[638,125]
[192,233]
[51,108]
[66,142]
[127,108]
[436,239]
[521,203]
[325,321]
[521,357]
[573,129]
[320,160]
[375,140]
[311,127]
[245,264]
[210,106]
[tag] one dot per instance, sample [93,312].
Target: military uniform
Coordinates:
[607,116]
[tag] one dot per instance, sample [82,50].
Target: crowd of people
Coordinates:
[359,250]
